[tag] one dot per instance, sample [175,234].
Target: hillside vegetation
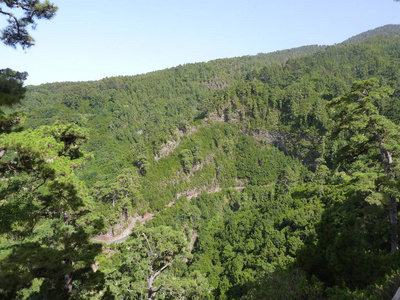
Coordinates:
[272,176]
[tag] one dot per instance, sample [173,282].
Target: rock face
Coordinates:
[171,145]
[397,295]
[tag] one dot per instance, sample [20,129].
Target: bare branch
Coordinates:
[159,271]
[13,17]
[148,243]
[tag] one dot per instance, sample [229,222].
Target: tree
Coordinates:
[45,214]
[150,267]
[21,14]
[186,160]
[16,32]
[123,192]
[120,198]
[45,211]
[11,92]
[372,145]
[143,164]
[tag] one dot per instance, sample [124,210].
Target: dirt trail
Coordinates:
[122,237]
[108,239]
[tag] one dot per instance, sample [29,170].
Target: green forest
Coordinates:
[274,176]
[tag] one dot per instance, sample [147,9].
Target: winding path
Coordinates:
[109,239]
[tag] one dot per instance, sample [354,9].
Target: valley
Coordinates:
[272,176]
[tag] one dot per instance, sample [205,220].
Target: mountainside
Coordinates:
[251,160]
[387,30]
[134,111]
[129,117]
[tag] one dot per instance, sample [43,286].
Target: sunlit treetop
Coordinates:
[21,16]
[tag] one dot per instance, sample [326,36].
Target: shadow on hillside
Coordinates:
[350,249]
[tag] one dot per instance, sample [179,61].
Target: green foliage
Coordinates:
[372,145]
[186,160]
[119,199]
[287,284]
[258,165]
[22,14]
[150,267]
[11,93]
[243,236]
[46,214]
[387,30]
[352,241]
[271,204]
[11,90]
[131,117]
[354,236]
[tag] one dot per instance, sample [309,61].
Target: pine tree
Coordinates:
[150,267]
[372,145]
[22,14]
[45,214]
[11,93]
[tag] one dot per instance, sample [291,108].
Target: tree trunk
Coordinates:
[394,236]
[387,161]
[68,283]
[150,288]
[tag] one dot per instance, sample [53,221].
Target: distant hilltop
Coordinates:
[388,30]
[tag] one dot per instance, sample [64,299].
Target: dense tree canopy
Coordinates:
[150,263]
[11,93]
[45,213]
[269,177]
[374,139]
[45,210]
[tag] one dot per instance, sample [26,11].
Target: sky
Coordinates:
[94,39]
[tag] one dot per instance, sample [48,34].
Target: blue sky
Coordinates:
[91,39]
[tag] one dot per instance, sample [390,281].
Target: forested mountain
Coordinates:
[140,113]
[272,176]
[387,30]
